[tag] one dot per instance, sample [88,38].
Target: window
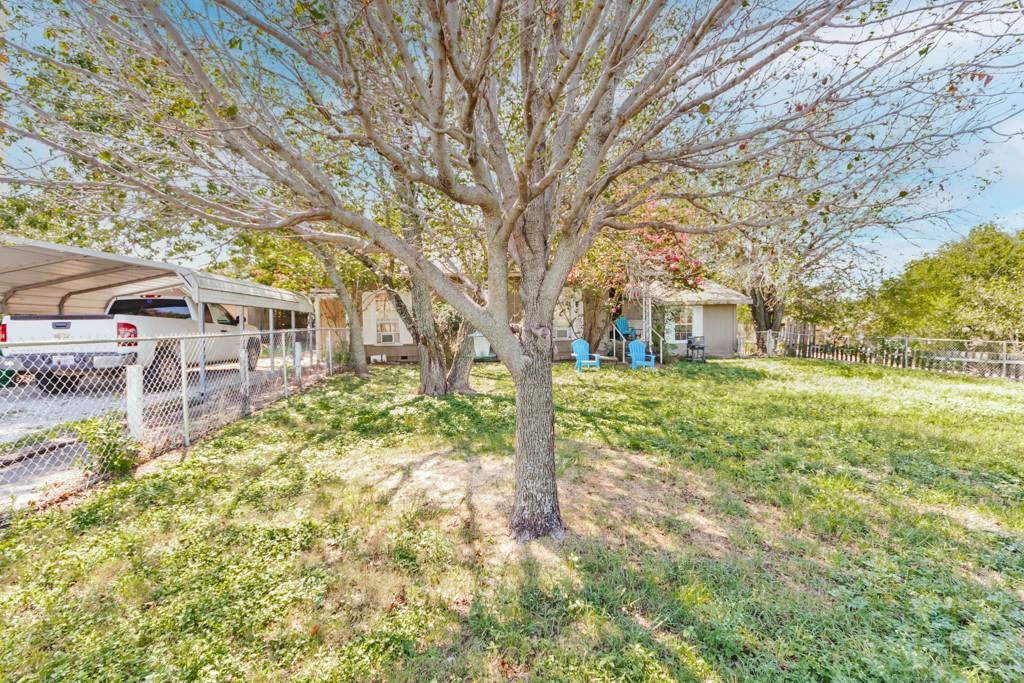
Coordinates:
[215,313]
[385,309]
[682,322]
[387,333]
[563,333]
[156,308]
[387,319]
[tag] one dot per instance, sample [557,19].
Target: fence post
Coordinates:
[243,374]
[906,349]
[297,361]
[1006,359]
[330,353]
[243,362]
[133,396]
[270,328]
[183,361]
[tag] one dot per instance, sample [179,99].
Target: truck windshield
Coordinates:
[157,308]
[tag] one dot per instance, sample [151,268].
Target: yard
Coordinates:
[740,520]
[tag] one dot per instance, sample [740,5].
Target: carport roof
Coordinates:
[43,278]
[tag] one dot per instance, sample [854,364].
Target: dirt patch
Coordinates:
[972,520]
[618,497]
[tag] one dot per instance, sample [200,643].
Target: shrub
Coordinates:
[110,449]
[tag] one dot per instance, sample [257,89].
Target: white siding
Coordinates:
[370,321]
[569,315]
[679,347]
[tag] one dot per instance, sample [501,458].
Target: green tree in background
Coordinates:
[101,221]
[967,289]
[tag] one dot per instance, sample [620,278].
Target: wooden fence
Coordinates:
[980,358]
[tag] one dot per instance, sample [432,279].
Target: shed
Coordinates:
[710,311]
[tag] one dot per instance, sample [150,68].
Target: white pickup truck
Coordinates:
[57,367]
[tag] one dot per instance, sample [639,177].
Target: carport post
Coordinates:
[312,342]
[284,361]
[296,354]
[133,401]
[202,349]
[318,325]
[270,313]
[184,390]
[243,361]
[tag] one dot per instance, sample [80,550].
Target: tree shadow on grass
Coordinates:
[662,578]
[765,536]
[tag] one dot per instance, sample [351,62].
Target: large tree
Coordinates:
[547,122]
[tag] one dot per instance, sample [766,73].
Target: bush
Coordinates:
[110,449]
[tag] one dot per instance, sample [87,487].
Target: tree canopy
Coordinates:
[971,288]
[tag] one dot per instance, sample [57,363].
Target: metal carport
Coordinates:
[42,278]
[53,279]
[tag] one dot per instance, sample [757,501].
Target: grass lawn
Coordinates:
[740,520]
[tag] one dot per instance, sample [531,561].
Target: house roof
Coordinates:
[40,277]
[709,294]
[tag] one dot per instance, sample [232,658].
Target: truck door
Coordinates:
[221,323]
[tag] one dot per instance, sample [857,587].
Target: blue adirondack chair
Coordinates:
[638,356]
[622,325]
[584,358]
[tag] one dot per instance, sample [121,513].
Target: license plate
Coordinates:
[64,360]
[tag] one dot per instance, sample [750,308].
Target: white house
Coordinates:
[709,312]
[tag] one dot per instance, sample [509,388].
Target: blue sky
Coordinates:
[1002,202]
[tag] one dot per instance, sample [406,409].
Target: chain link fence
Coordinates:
[75,412]
[979,358]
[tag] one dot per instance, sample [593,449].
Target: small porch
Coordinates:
[667,318]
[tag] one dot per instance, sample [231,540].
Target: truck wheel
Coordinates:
[165,370]
[52,383]
[253,350]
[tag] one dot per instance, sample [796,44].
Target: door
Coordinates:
[220,322]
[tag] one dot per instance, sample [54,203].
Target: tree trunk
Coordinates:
[435,372]
[433,360]
[353,313]
[597,318]
[535,511]
[767,312]
[354,316]
[462,363]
